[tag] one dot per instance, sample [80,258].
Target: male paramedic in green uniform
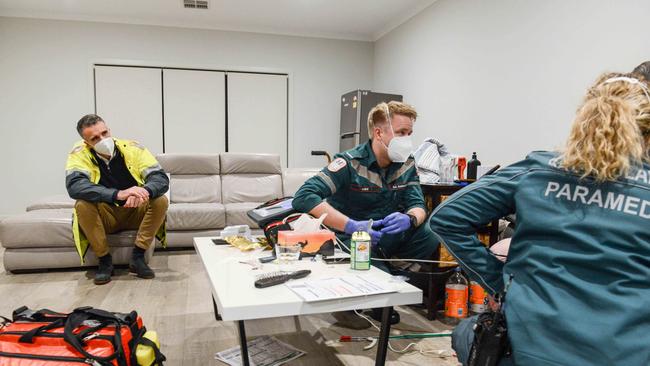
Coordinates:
[375,180]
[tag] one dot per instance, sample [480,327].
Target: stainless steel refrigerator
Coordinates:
[355,106]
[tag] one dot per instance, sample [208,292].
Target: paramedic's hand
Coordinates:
[352,225]
[396,223]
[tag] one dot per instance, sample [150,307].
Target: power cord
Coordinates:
[339,244]
[407,349]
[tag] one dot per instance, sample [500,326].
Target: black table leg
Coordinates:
[216,311]
[242,343]
[382,347]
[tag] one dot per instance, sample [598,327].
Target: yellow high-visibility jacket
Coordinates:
[82,166]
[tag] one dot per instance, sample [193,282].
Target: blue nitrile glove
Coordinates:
[396,223]
[353,225]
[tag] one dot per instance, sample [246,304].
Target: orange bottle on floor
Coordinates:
[456,296]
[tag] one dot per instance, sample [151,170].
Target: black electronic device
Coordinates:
[491,342]
[273,210]
[270,258]
[336,260]
[276,278]
[219,241]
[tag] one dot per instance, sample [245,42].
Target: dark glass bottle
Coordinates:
[472,166]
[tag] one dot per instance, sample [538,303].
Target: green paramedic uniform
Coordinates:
[354,184]
[579,261]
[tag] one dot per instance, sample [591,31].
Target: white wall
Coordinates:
[504,77]
[45,87]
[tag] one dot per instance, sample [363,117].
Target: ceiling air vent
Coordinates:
[195,4]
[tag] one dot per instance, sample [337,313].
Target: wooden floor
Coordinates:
[177,304]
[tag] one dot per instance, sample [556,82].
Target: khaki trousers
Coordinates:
[97,219]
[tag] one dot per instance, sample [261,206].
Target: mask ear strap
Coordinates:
[390,123]
[631,81]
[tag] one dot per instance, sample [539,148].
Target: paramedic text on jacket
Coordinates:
[580,254]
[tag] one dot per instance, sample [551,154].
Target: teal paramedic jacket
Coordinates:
[354,184]
[579,257]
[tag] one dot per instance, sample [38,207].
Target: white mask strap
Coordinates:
[390,123]
[631,81]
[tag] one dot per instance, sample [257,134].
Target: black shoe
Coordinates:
[394,315]
[140,268]
[349,319]
[104,270]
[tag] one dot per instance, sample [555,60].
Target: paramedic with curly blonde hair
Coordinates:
[579,260]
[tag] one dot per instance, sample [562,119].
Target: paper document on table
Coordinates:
[263,351]
[339,288]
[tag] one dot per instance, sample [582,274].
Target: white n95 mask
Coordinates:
[307,224]
[105,146]
[399,147]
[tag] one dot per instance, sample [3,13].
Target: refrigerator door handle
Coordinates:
[347,135]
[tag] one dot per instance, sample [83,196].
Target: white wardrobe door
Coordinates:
[129,99]
[257,114]
[194,104]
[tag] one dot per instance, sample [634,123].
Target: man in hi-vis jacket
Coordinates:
[118,185]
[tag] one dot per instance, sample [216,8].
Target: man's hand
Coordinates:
[396,223]
[375,235]
[134,201]
[139,192]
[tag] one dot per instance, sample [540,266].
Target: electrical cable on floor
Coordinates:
[440,353]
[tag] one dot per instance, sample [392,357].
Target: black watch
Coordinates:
[414,220]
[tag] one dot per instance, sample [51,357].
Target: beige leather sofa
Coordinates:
[207,193]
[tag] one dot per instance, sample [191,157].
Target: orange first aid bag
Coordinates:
[85,336]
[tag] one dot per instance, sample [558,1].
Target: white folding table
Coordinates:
[235,297]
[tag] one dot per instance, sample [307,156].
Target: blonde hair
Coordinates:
[377,115]
[611,131]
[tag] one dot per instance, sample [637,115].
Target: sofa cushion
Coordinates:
[238,188]
[292,179]
[57,201]
[241,163]
[195,216]
[205,164]
[236,214]
[195,189]
[49,228]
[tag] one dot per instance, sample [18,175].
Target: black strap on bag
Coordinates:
[139,338]
[28,337]
[77,317]
[23,313]
[159,358]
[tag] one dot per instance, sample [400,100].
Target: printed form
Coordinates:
[339,288]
